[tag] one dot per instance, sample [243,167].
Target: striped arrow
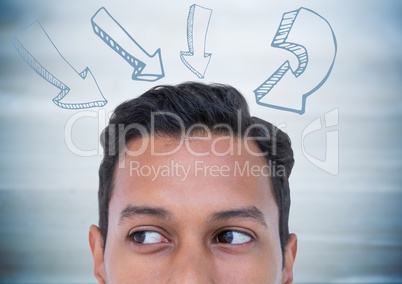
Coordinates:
[147,67]
[77,89]
[315,31]
[196,59]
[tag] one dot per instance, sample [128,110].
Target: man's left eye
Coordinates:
[233,237]
[147,237]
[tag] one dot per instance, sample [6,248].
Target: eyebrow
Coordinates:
[252,213]
[131,211]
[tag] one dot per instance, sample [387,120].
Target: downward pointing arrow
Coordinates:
[196,59]
[147,67]
[46,60]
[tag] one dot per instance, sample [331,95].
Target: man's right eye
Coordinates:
[147,237]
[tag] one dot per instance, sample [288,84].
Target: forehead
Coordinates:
[198,173]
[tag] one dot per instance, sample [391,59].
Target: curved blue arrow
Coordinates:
[73,82]
[147,67]
[196,59]
[280,41]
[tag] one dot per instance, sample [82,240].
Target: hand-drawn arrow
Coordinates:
[196,59]
[287,25]
[40,53]
[146,67]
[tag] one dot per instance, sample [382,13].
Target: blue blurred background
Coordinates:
[348,222]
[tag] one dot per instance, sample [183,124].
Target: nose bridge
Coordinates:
[192,263]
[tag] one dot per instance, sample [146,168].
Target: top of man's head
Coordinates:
[171,111]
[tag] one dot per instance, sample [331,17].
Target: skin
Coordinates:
[206,228]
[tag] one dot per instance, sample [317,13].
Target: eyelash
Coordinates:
[239,232]
[132,235]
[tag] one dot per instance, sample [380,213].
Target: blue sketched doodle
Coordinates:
[77,89]
[196,59]
[302,25]
[147,67]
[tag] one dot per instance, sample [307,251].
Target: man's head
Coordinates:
[192,188]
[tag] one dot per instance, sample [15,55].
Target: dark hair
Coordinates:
[194,103]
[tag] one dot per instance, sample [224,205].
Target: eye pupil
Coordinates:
[139,237]
[226,237]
